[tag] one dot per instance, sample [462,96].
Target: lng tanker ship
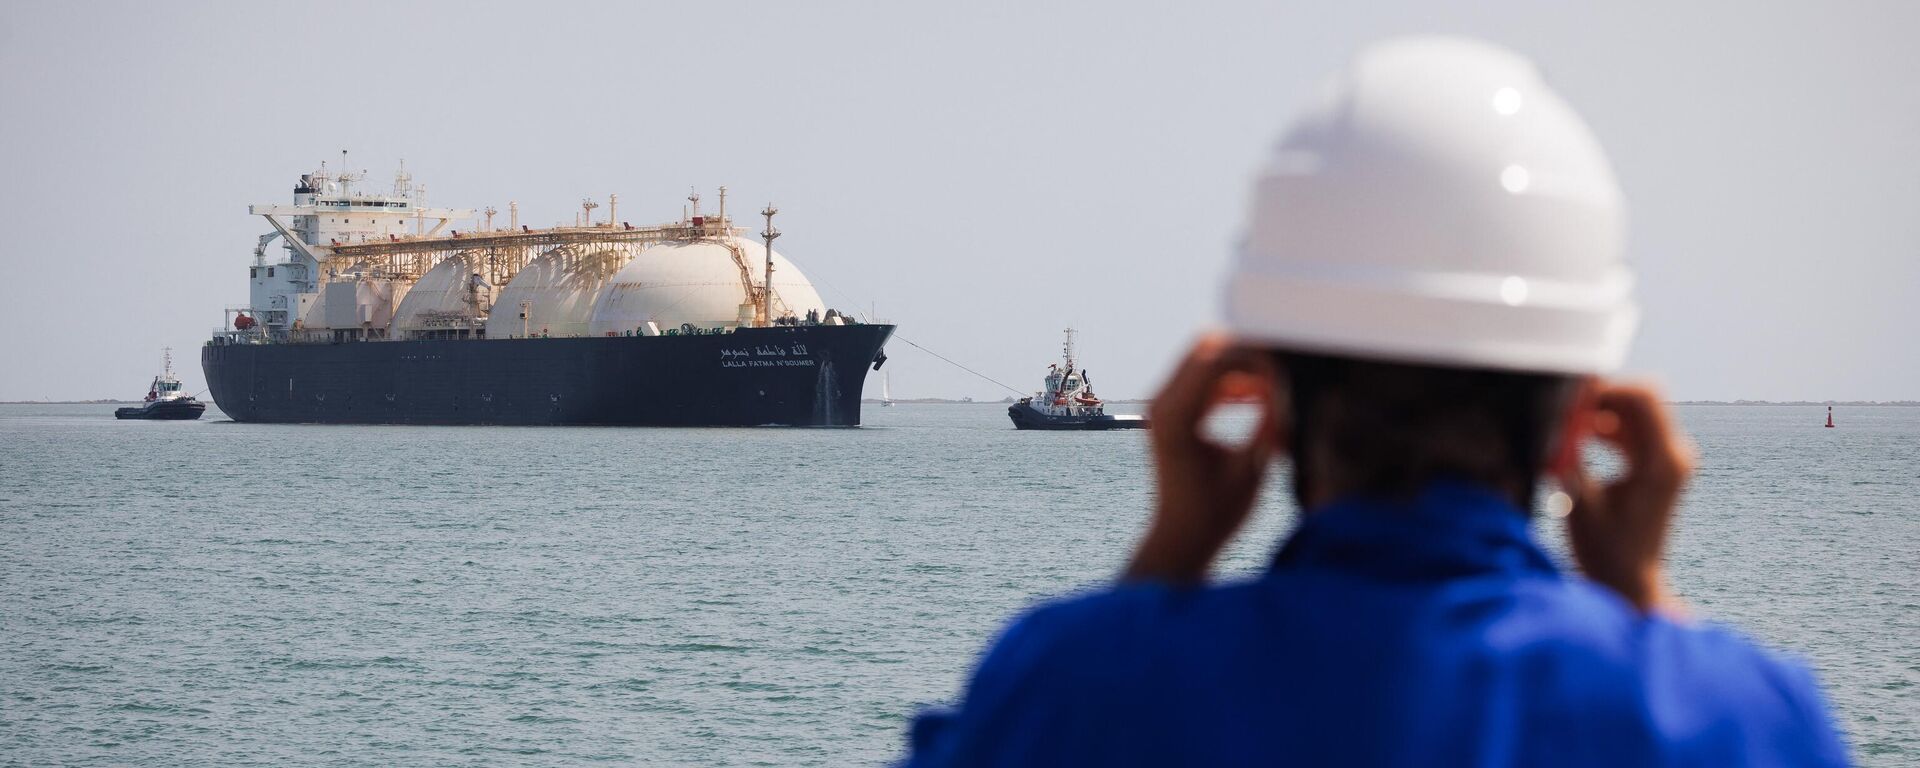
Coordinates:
[375,309]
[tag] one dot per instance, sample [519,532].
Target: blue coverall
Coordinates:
[1425,632]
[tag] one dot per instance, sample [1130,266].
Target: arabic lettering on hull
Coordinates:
[765,356]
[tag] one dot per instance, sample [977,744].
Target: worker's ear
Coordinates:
[1576,426]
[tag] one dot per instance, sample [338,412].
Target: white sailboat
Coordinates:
[886,390]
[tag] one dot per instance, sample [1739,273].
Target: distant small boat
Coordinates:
[886,390]
[164,399]
[1068,402]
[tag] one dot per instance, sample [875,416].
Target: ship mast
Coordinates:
[1067,349]
[766,289]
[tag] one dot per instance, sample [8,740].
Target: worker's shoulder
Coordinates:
[1724,671]
[1681,677]
[1093,628]
[1573,616]
[1572,613]
[1561,622]
[1139,605]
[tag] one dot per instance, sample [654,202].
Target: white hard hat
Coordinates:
[1441,206]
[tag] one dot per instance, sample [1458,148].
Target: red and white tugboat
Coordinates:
[164,399]
[1068,401]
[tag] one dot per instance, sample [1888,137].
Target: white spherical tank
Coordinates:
[442,299]
[557,291]
[698,283]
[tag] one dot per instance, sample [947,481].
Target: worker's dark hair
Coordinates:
[1389,429]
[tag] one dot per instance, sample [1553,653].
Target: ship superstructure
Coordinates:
[328,215]
[389,277]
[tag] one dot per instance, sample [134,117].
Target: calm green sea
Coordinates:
[220,593]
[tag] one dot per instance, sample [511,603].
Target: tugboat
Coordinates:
[1068,401]
[164,400]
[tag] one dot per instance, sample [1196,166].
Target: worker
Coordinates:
[1428,296]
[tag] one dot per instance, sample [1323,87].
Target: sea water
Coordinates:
[219,593]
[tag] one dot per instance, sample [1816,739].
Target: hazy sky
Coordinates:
[982,174]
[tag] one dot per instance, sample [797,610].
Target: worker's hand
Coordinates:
[1205,490]
[1619,531]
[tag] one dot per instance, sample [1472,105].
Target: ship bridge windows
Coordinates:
[362,203]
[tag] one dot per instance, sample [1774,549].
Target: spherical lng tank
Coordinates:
[557,291]
[445,298]
[701,283]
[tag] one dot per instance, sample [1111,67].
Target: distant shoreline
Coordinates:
[1836,403]
[69,402]
[1850,403]
[944,401]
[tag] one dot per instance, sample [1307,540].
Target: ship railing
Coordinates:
[529,237]
[254,335]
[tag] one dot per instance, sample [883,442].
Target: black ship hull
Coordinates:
[181,409]
[808,375]
[1025,417]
